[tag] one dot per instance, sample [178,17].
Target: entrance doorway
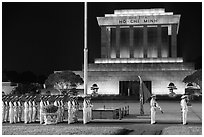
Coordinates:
[131,88]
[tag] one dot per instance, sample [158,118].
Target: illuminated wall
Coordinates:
[165,42]
[108,81]
[152,42]
[113,42]
[138,42]
[124,42]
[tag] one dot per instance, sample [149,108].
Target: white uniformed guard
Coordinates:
[87,114]
[55,103]
[26,111]
[3,110]
[6,111]
[70,113]
[75,109]
[34,111]
[30,111]
[184,108]
[153,106]
[15,113]
[62,110]
[41,112]
[11,115]
[19,111]
[59,110]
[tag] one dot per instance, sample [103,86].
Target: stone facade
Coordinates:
[108,81]
[127,54]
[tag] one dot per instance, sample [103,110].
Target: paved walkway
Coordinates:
[141,125]
[172,111]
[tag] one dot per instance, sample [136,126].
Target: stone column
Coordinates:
[117,42]
[174,41]
[108,42]
[104,39]
[131,42]
[159,41]
[145,41]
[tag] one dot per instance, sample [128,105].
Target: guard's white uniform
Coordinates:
[6,112]
[11,115]
[41,112]
[19,111]
[3,111]
[55,103]
[15,112]
[75,110]
[62,111]
[30,112]
[86,111]
[34,112]
[59,111]
[70,114]
[90,110]
[26,111]
[184,109]
[153,105]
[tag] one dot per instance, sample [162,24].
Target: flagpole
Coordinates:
[141,97]
[85,50]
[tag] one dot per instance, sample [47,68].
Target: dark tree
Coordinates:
[196,77]
[65,80]
[30,88]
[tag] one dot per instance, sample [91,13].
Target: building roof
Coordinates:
[139,17]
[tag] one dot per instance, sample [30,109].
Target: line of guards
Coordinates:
[29,109]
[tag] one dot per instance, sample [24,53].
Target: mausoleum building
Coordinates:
[138,42]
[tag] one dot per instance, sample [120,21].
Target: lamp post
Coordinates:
[171,88]
[85,103]
[85,50]
[94,88]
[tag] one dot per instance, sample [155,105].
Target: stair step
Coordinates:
[143,117]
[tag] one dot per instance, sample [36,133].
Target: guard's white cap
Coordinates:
[184,96]
[153,96]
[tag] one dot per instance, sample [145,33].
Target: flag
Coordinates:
[146,93]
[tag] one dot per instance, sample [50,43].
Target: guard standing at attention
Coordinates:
[62,109]
[11,112]
[3,110]
[30,110]
[15,111]
[184,108]
[59,109]
[34,115]
[26,111]
[153,106]
[41,111]
[19,110]
[6,115]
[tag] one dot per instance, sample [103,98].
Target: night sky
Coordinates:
[44,37]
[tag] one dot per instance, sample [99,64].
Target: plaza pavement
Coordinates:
[141,124]
[172,111]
